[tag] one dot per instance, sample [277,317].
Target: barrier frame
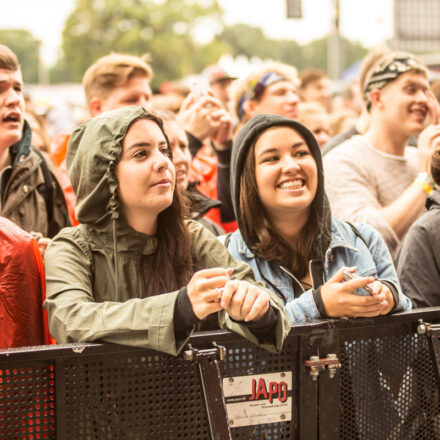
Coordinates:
[316,384]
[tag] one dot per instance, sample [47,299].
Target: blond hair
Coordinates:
[113,71]
[242,85]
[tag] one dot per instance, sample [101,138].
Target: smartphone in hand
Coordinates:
[352,276]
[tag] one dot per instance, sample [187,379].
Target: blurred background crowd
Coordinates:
[182,38]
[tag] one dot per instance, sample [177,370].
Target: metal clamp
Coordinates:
[217,352]
[317,365]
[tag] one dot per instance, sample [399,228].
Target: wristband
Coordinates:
[425,182]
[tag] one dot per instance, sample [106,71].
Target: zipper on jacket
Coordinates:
[141,272]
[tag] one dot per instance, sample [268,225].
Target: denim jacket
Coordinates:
[369,254]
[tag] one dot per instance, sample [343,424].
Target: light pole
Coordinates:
[335,49]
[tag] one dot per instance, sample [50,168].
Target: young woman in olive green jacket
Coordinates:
[134,272]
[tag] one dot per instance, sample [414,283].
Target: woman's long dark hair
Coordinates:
[262,238]
[172,261]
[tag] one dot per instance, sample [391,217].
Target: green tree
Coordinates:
[27,49]
[162,28]
[252,42]
[248,41]
[354,51]
[315,53]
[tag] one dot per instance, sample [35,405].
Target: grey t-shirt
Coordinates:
[360,180]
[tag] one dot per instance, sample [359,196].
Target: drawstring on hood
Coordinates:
[240,149]
[94,150]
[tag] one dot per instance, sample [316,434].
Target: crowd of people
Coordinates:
[250,203]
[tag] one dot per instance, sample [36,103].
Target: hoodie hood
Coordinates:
[93,151]
[240,149]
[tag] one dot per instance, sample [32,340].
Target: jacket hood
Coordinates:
[93,151]
[433,201]
[243,142]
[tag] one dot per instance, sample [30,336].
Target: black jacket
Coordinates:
[199,205]
[418,260]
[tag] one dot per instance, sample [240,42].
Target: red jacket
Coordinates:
[204,170]
[58,156]
[23,321]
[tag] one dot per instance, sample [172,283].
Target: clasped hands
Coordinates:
[211,290]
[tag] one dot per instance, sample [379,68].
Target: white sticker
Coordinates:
[258,399]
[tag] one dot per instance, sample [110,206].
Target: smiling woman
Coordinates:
[288,236]
[134,271]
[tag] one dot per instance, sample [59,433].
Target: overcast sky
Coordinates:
[368,21]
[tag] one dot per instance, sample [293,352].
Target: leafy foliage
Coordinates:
[161,28]
[251,42]
[166,30]
[27,49]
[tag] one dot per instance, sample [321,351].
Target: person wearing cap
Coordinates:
[376,178]
[219,81]
[360,125]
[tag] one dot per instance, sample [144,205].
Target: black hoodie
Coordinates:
[243,142]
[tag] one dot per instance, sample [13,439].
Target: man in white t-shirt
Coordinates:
[376,178]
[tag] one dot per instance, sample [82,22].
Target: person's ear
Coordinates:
[250,109]
[376,98]
[95,107]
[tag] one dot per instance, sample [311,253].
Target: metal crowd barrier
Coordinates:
[366,379]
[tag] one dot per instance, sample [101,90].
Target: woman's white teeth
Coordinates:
[292,184]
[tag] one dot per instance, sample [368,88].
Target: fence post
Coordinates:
[212,388]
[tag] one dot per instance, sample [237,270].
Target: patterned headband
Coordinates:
[257,87]
[388,71]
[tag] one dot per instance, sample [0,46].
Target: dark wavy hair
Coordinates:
[172,261]
[266,242]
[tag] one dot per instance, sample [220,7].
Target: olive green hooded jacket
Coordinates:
[86,299]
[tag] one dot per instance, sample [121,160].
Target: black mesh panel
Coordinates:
[27,402]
